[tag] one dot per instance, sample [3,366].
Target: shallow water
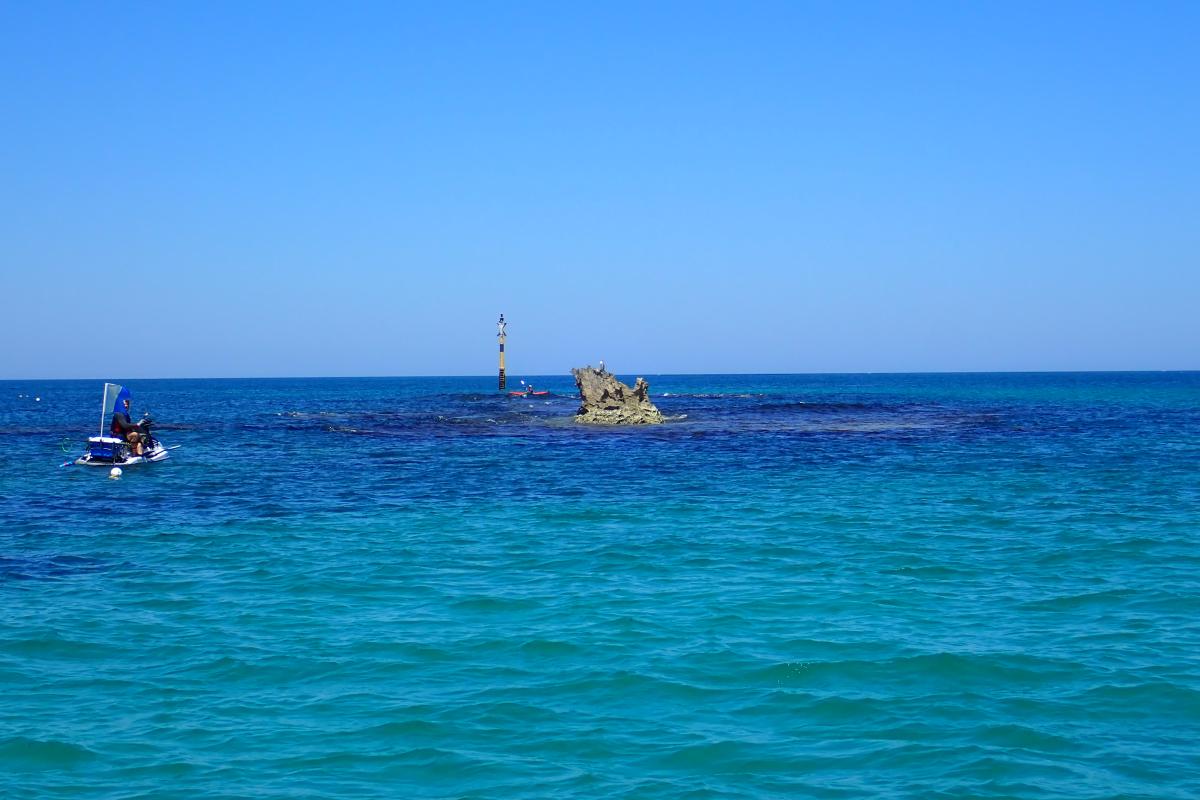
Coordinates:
[802,586]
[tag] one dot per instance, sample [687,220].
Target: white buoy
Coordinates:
[37,399]
[114,473]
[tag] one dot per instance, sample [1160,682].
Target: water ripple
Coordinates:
[802,586]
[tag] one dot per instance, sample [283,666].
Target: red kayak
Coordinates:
[528,394]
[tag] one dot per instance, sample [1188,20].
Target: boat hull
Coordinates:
[107,451]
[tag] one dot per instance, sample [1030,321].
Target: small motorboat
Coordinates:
[106,450]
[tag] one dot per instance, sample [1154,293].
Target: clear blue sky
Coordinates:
[260,189]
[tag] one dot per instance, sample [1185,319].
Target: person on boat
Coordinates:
[529,389]
[125,428]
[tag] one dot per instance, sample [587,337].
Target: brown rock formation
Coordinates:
[607,401]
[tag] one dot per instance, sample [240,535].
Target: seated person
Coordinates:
[125,428]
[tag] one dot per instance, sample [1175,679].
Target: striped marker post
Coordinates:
[501,336]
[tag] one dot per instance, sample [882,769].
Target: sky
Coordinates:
[266,189]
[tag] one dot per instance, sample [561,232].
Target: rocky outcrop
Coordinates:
[607,401]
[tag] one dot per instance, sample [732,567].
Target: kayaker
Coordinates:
[125,428]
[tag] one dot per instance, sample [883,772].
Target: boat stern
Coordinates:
[104,450]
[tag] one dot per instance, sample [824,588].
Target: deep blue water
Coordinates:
[802,586]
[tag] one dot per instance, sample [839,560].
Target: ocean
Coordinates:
[801,586]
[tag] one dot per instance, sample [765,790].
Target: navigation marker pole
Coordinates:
[501,336]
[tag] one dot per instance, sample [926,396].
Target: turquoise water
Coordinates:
[802,586]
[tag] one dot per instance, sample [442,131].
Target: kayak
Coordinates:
[528,394]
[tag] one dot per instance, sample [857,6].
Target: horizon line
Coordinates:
[493,376]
